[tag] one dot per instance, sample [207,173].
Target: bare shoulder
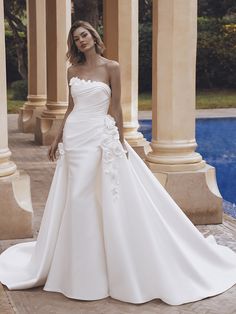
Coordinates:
[72,71]
[113,68]
[113,65]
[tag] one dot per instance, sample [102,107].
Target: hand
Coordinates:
[52,150]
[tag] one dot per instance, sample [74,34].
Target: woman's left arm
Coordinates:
[115,109]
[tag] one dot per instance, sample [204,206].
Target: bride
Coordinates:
[109,227]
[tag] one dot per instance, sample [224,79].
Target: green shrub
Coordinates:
[19,90]
[145,57]
[216,53]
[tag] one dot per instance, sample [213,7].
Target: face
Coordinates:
[83,39]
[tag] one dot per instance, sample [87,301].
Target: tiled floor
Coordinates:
[32,158]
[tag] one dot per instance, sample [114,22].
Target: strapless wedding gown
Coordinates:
[109,227]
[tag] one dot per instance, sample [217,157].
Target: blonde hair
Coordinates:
[73,54]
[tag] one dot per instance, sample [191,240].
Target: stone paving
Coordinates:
[33,159]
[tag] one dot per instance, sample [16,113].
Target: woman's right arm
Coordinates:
[58,138]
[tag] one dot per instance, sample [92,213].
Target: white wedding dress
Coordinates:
[109,227]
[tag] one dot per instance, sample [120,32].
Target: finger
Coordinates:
[54,155]
[50,153]
[51,156]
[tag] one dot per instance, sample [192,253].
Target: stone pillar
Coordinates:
[121,41]
[15,209]
[173,160]
[58,21]
[36,31]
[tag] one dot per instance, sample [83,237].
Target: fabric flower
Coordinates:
[107,155]
[109,121]
[61,149]
[112,149]
[117,149]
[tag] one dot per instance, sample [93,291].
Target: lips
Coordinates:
[83,46]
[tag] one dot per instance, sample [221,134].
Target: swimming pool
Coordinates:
[216,138]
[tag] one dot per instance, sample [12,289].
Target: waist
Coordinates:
[75,116]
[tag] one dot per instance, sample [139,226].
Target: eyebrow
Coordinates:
[84,32]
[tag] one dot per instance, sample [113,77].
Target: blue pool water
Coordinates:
[216,140]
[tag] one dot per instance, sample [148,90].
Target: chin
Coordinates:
[87,48]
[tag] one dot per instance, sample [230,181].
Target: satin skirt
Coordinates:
[110,229]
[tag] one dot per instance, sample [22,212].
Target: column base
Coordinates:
[46,129]
[141,146]
[196,193]
[27,118]
[16,208]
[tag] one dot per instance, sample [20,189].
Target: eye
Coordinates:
[84,35]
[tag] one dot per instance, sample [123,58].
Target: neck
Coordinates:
[91,58]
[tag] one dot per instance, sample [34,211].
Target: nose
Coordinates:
[80,40]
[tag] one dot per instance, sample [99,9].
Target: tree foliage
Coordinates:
[216,49]
[145,11]
[15,14]
[87,11]
[145,57]
[145,45]
[216,53]
[216,8]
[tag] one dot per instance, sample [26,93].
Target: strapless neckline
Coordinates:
[89,81]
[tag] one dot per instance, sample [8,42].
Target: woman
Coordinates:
[85,49]
[109,228]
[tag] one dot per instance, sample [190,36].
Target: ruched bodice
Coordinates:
[91,98]
[89,123]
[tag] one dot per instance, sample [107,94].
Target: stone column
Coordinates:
[36,31]
[121,41]
[58,21]
[173,160]
[16,209]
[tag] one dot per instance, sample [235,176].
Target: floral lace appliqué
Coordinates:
[60,152]
[61,149]
[112,150]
